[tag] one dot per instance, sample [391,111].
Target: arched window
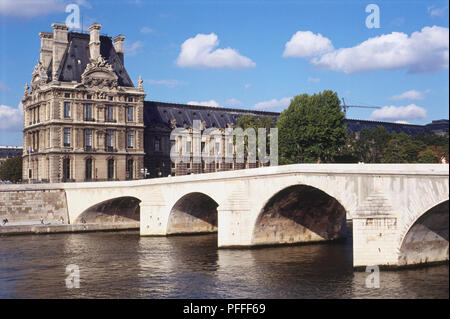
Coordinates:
[66,169]
[110,169]
[129,172]
[88,175]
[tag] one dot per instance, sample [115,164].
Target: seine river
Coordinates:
[125,265]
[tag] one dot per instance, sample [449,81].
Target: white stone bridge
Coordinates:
[399,211]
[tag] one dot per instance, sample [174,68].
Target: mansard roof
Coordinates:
[410,129]
[77,57]
[161,113]
[164,113]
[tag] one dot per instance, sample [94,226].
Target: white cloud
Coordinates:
[11,119]
[435,11]
[313,80]
[284,102]
[424,51]
[233,102]
[133,48]
[399,113]
[147,30]
[168,83]
[402,122]
[306,44]
[410,95]
[247,85]
[32,8]
[212,103]
[198,52]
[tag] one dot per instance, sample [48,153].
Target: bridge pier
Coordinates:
[234,228]
[154,219]
[375,241]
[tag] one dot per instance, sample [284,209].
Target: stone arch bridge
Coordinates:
[399,211]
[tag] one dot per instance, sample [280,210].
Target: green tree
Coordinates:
[370,144]
[427,156]
[312,129]
[11,169]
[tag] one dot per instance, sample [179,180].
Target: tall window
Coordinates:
[110,169]
[188,147]
[230,149]
[88,138]
[217,148]
[110,113]
[66,169]
[130,113]
[67,137]
[130,139]
[129,172]
[88,112]
[66,110]
[110,139]
[203,146]
[158,144]
[88,173]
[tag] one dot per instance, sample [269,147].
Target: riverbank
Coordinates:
[25,229]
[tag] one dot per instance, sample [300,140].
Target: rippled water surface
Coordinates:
[125,265]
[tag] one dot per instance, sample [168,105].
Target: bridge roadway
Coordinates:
[399,211]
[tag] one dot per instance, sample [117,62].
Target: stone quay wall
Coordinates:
[19,204]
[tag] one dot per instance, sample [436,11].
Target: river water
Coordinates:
[125,265]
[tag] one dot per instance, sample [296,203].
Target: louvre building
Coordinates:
[85,120]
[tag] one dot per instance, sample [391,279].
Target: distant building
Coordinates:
[84,120]
[9,152]
[161,118]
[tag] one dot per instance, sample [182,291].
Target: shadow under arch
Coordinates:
[113,211]
[427,239]
[298,214]
[193,213]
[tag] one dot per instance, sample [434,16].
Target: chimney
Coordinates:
[59,46]
[94,42]
[118,46]
[46,48]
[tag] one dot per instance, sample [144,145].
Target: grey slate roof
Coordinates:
[162,113]
[77,56]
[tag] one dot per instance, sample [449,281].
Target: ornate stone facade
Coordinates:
[83,117]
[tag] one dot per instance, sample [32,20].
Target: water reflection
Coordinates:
[125,265]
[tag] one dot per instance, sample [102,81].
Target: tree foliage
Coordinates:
[11,169]
[312,129]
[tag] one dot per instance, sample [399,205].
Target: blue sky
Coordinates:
[252,54]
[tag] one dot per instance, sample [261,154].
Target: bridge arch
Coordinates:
[299,213]
[194,212]
[123,209]
[426,238]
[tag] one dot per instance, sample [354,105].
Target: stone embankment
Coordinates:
[42,209]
